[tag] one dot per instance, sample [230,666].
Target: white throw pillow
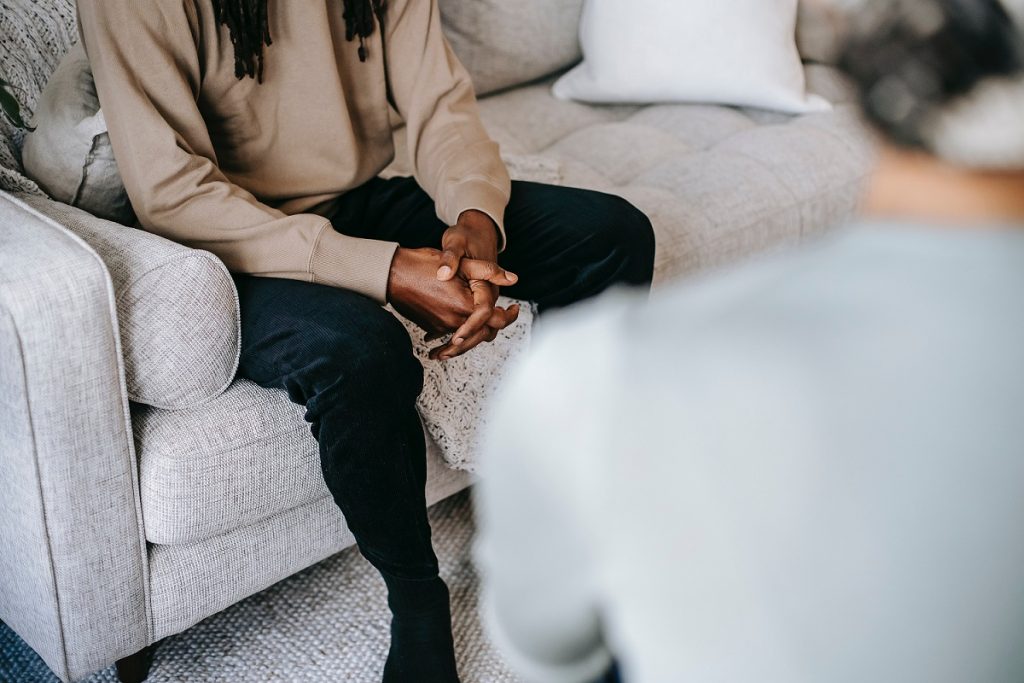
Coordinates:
[736,52]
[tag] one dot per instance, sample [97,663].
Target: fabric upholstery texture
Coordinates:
[191,581]
[719,183]
[504,43]
[73,562]
[69,153]
[818,31]
[249,454]
[32,42]
[177,309]
[243,457]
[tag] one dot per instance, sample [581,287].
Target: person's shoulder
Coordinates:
[607,337]
[762,320]
[773,294]
[845,285]
[116,28]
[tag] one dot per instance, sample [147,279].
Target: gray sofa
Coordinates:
[144,486]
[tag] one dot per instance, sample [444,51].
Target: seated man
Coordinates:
[809,470]
[255,129]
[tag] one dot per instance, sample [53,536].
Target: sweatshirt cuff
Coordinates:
[482,196]
[354,263]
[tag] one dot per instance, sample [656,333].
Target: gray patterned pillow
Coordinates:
[509,42]
[69,153]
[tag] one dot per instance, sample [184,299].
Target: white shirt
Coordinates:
[807,470]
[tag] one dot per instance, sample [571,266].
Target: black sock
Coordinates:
[422,650]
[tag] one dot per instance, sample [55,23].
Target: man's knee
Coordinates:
[630,236]
[379,365]
[349,361]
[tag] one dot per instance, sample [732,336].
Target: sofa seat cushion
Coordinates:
[244,457]
[719,183]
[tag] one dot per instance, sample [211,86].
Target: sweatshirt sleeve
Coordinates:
[147,70]
[453,158]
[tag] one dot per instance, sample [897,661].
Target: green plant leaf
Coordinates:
[10,107]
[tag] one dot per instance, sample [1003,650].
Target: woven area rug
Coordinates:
[327,623]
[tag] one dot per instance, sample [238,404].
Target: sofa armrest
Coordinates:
[177,309]
[74,564]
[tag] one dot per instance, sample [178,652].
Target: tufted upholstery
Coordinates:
[719,183]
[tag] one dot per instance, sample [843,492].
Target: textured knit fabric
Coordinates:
[32,42]
[317,126]
[73,562]
[806,470]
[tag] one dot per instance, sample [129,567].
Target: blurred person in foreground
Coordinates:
[810,469]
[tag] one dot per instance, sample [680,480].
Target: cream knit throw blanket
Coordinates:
[456,393]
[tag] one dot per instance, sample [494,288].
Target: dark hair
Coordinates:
[249,29]
[910,58]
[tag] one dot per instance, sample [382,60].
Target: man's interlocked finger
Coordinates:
[474,269]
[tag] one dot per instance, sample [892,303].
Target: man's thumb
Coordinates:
[489,271]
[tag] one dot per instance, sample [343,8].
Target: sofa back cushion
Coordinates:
[818,31]
[504,43]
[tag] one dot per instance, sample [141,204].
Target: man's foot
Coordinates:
[422,650]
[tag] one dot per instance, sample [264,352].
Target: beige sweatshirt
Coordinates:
[247,170]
